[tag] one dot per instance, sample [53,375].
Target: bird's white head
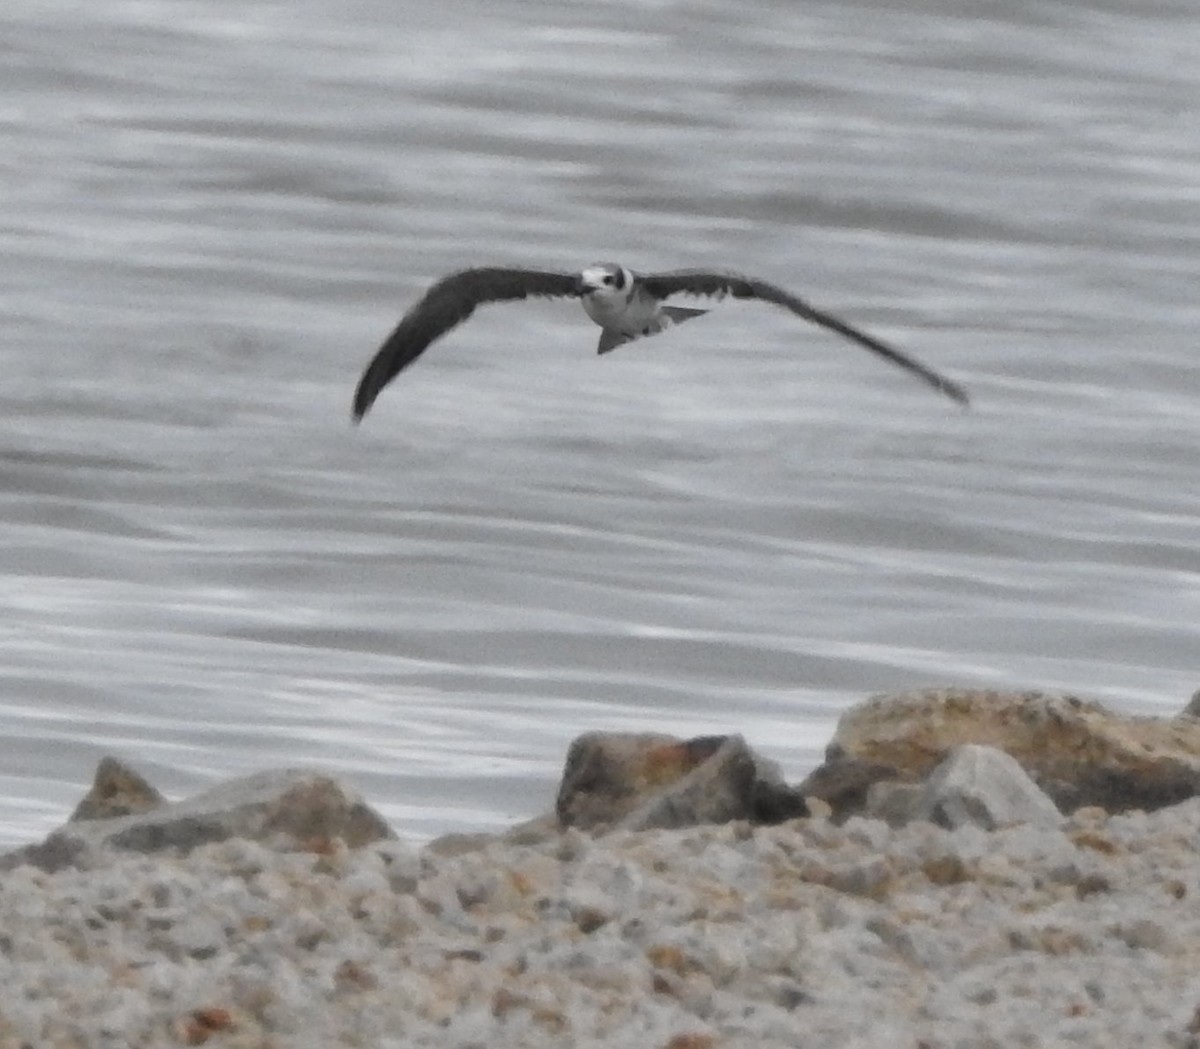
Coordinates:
[605,282]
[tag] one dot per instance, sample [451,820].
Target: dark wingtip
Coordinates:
[952,389]
[362,404]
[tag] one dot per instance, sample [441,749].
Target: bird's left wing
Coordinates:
[710,284]
[447,303]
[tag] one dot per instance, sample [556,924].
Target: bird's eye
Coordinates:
[607,279]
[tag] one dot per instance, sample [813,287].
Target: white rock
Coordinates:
[986,787]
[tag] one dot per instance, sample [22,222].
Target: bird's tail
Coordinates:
[611,338]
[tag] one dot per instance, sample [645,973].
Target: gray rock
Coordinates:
[1192,710]
[608,774]
[733,784]
[288,808]
[845,783]
[117,790]
[893,801]
[643,781]
[985,787]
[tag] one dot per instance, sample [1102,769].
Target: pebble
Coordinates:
[713,937]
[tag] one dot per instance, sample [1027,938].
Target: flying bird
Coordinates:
[625,304]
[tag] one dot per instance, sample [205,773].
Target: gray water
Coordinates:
[215,211]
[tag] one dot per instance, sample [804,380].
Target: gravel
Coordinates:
[799,935]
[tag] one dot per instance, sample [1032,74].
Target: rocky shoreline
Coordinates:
[966,869]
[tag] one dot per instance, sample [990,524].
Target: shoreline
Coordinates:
[280,911]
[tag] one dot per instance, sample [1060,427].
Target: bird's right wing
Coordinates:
[711,284]
[450,302]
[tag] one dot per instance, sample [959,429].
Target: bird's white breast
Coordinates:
[630,316]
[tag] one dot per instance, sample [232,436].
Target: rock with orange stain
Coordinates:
[117,790]
[691,1040]
[1077,751]
[201,1024]
[643,781]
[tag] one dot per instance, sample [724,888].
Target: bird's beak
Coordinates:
[582,287]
